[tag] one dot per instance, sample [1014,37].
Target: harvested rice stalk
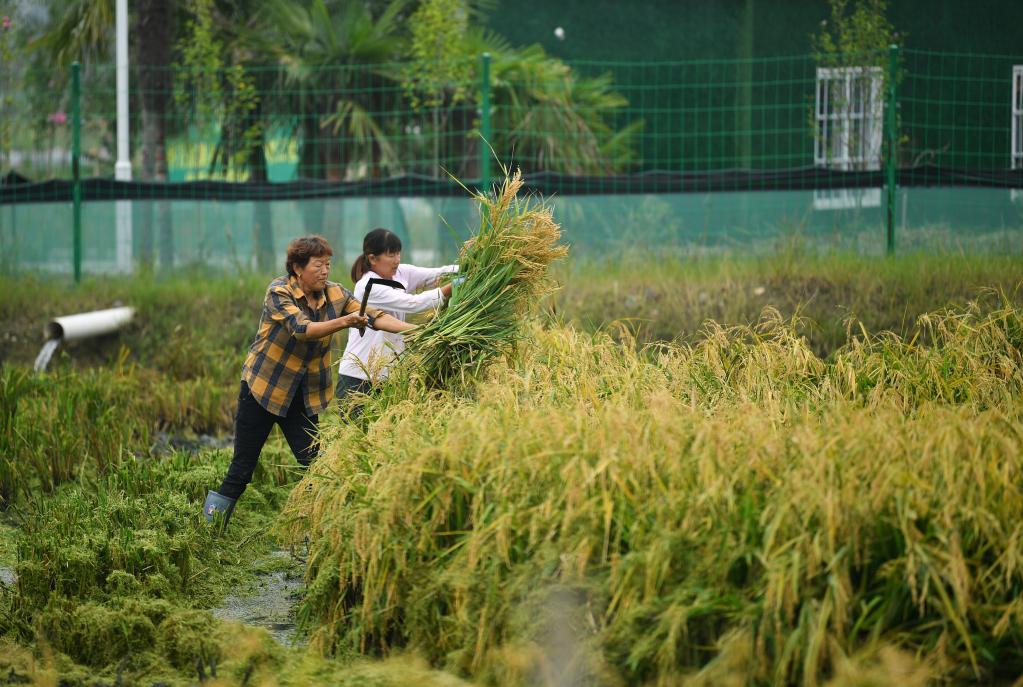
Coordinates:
[505,266]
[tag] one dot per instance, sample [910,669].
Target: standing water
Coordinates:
[45,353]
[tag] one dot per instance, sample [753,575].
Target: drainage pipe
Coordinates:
[88,324]
[81,326]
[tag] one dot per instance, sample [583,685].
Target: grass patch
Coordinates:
[665,300]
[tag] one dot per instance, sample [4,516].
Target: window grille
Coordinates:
[1017,117]
[849,116]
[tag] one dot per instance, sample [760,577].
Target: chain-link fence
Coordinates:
[902,149]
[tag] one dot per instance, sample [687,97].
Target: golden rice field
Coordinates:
[597,514]
[818,483]
[589,511]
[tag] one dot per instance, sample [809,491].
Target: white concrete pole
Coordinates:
[122,169]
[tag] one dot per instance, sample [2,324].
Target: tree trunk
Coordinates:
[262,219]
[309,166]
[152,47]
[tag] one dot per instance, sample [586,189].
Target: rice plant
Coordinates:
[737,501]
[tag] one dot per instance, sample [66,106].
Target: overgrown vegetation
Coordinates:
[776,497]
[738,506]
[191,332]
[664,300]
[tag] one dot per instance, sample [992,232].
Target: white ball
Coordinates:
[559,33]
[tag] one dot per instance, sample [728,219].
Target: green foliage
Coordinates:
[440,70]
[320,49]
[855,38]
[214,96]
[7,73]
[546,111]
[200,63]
[80,31]
[342,65]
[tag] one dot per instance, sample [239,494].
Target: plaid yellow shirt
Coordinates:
[282,357]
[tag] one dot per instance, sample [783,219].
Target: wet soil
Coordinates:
[271,602]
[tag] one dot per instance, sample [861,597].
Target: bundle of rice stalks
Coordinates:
[505,266]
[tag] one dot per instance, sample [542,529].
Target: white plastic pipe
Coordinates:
[87,324]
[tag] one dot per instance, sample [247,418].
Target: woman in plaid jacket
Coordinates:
[286,376]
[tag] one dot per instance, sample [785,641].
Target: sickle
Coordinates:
[369,287]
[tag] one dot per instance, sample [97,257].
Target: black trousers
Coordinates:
[252,426]
[351,385]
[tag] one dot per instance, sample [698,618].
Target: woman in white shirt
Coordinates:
[368,356]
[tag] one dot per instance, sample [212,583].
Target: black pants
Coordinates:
[252,426]
[351,385]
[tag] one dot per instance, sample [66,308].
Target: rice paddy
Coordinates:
[728,471]
[738,501]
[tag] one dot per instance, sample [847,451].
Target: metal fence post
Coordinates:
[485,123]
[892,141]
[76,180]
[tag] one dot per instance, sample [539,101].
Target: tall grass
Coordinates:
[55,426]
[197,327]
[187,325]
[631,516]
[666,299]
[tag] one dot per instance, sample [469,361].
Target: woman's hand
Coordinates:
[318,330]
[353,320]
[447,289]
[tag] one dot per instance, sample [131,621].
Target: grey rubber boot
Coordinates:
[218,509]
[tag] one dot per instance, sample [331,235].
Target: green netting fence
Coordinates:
[899,149]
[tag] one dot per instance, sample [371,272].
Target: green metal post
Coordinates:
[485,124]
[892,139]
[76,180]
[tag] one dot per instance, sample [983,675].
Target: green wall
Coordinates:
[697,29]
[954,109]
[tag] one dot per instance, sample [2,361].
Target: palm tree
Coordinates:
[338,74]
[83,32]
[547,115]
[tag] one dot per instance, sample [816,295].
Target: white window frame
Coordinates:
[849,116]
[1016,153]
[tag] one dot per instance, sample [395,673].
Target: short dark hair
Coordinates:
[301,250]
[377,242]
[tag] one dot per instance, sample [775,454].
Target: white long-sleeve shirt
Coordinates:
[369,356]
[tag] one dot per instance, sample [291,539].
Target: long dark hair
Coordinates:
[376,242]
